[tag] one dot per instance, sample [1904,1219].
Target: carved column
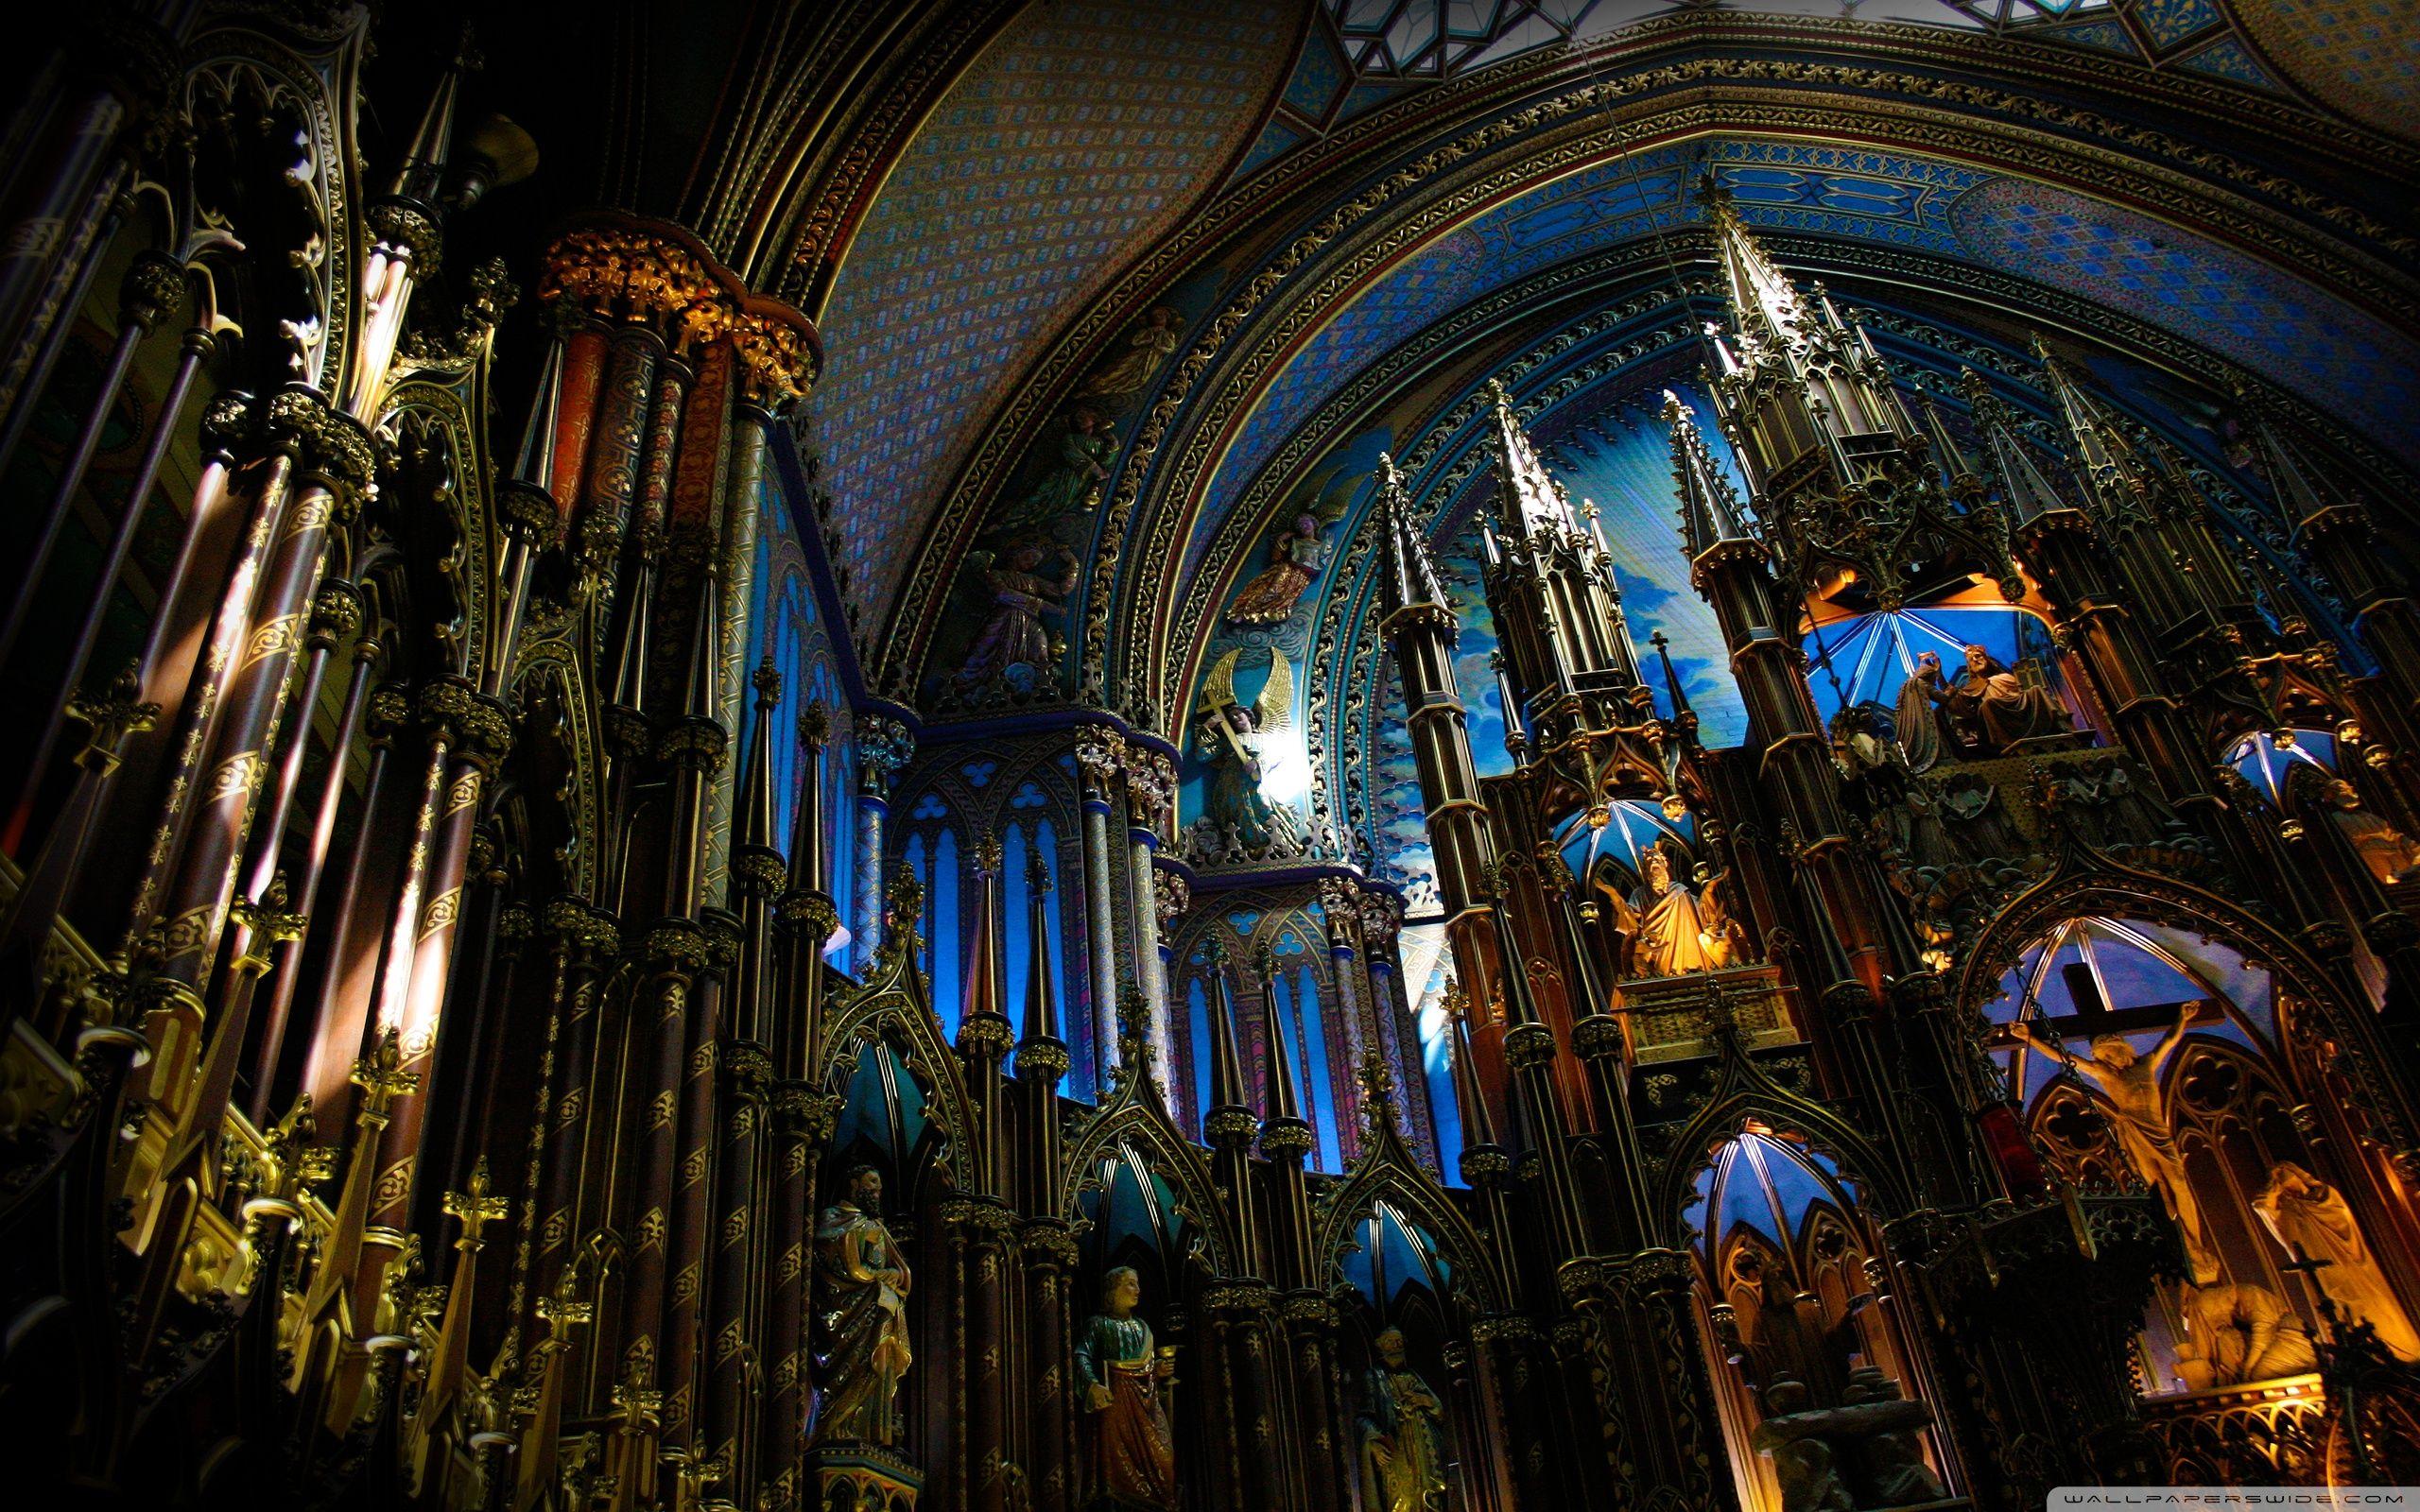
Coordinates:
[1098,763]
[1049,1253]
[883,749]
[1150,787]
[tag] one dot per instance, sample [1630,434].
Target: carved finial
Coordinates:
[767,681]
[477,1205]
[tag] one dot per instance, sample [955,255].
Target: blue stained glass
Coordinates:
[949,968]
[1319,1097]
[1198,1004]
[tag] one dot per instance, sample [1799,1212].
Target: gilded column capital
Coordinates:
[1151,784]
[1171,896]
[1100,758]
[883,749]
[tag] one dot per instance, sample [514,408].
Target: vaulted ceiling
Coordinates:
[1346,212]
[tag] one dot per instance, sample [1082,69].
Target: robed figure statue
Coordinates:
[1133,1448]
[1403,1435]
[1673,930]
[861,1349]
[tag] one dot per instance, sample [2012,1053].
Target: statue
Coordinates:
[1403,1435]
[1984,709]
[1978,821]
[2138,1106]
[1148,344]
[1124,1379]
[1014,636]
[1072,486]
[2135,816]
[861,1349]
[1237,741]
[1918,732]
[2313,1222]
[2387,851]
[1672,929]
[1807,1446]
[2239,1334]
[1893,1461]
[1294,559]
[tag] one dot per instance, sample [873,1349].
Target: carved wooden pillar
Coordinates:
[1050,1469]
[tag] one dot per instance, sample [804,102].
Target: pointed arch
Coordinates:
[1133,1122]
[2086,884]
[1389,1173]
[892,1009]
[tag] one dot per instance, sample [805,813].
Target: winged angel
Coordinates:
[1240,743]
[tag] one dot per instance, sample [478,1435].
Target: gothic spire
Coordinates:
[1410,575]
[2296,486]
[807,819]
[2118,476]
[1764,304]
[419,178]
[1226,1067]
[1709,511]
[2024,489]
[1041,991]
[1478,1126]
[1285,1103]
[534,460]
[986,972]
[756,819]
[1533,501]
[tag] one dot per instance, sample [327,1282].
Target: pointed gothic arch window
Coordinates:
[2219,1141]
[1793,1282]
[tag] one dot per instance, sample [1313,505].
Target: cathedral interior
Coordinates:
[1254,756]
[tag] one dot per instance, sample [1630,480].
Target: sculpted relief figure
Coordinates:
[2239,1334]
[1017,597]
[1071,485]
[2138,1115]
[861,1349]
[1123,1380]
[1294,559]
[2312,1220]
[1672,929]
[2388,853]
[1403,1434]
[1149,344]
[1238,742]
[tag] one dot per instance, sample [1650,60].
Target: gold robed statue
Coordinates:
[2312,1221]
[861,1349]
[1123,1380]
[1671,929]
[1403,1435]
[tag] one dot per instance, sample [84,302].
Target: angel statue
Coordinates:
[1295,559]
[1671,928]
[1149,343]
[1236,742]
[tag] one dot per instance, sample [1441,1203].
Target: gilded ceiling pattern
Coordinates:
[1077,139]
[2360,55]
